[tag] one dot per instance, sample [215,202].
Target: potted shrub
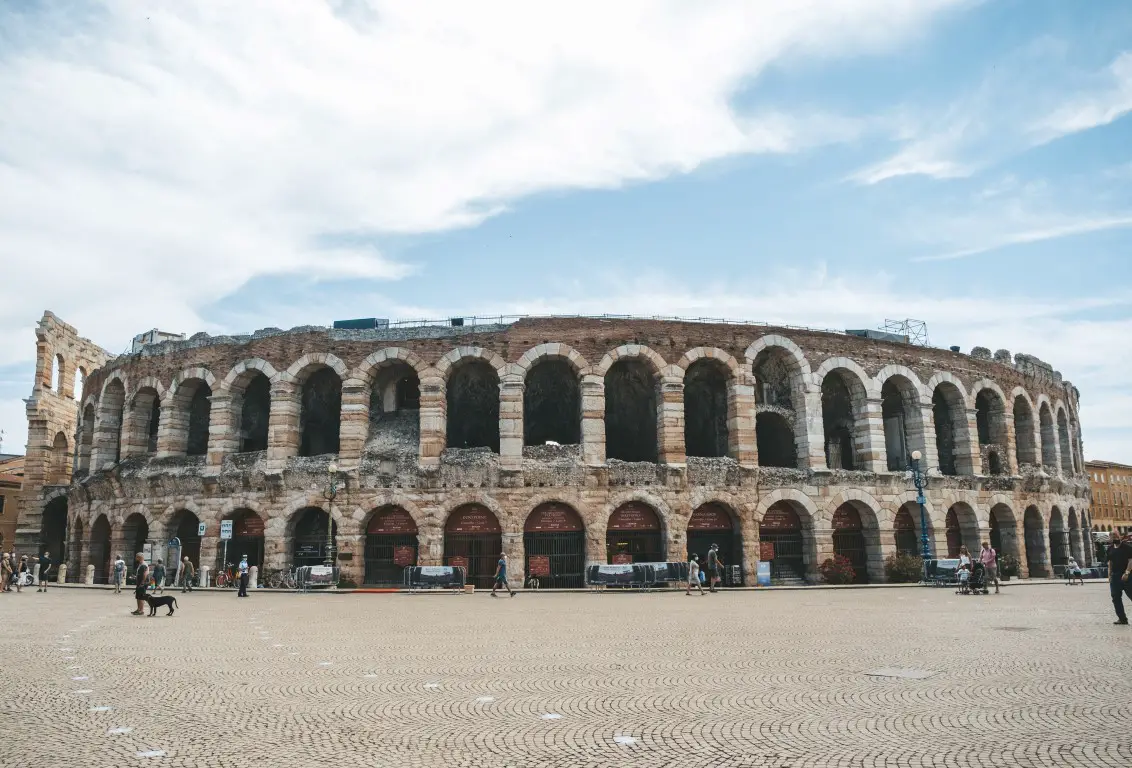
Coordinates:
[903,569]
[837,570]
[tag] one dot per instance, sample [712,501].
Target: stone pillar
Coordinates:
[670,420]
[969,457]
[134,435]
[929,462]
[354,422]
[819,541]
[173,431]
[223,427]
[106,434]
[61,575]
[593,424]
[1011,447]
[430,547]
[741,442]
[253,577]
[516,559]
[809,432]
[89,575]
[868,436]
[1075,545]
[204,572]
[750,533]
[511,388]
[434,423]
[283,436]
[596,551]
[878,551]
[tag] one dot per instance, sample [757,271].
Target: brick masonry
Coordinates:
[116,474]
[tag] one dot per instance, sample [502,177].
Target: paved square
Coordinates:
[1037,676]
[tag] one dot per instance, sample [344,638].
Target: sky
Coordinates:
[222,167]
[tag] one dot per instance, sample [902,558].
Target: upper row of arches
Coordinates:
[631,405]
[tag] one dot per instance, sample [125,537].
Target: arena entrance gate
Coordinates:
[474,540]
[555,542]
[907,543]
[247,538]
[310,539]
[185,529]
[780,542]
[711,523]
[100,556]
[634,535]
[391,546]
[849,541]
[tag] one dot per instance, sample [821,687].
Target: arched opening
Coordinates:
[186,527]
[473,540]
[1035,543]
[1058,542]
[100,556]
[473,406]
[990,421]
[713,523]
[253,398]
[86,438]
[1003,537]
[776,378]
[903,432]
[634,535]
[1027,452]
[321,413]
[781,542]
[552,404]
[53,530]
[841,397]
[631,411]
[1075,538]
[949,415]
[135,538]
[60,471]
[110,423]
[145,420]
[775,438]
[395,410]
[705,408]
[995,464]
[247,538]
[77,572]
[1063,441]
[554,538]
[962,528]
[309,542]
[57,374]
[849,541]
[1049,439]
[391,546]
[904,529]
[80,380]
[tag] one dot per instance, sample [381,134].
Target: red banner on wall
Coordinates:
[846,518]
[393,521]
[634,516]
[472,518]
[553,517]
[538,565]
[766,550]
[780,518]
[710,517]
[622,558]
[404,555]
[458,562]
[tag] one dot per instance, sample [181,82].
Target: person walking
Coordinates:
[24,573]
[694,576]
[989,558]
[141,580]
[713,567]
[245,574]
[187,574]
[501,577]
[119,574]
[45,566]
[5,573]
[1119,559]
[159,576]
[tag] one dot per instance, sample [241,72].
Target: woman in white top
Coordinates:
[694,576]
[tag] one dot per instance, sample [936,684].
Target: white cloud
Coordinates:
[153,161]
[1045,231]
[1027,99]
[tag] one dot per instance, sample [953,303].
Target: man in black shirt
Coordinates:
[44,571]
[141,581]
[1120,574]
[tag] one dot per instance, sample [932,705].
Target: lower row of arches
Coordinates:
[555,546]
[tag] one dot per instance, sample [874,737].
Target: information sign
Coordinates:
[538,565]
[766,550]
[200,529]
[403,555]
[225,530]
[763,577]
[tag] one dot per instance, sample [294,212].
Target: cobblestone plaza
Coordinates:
[1036,676]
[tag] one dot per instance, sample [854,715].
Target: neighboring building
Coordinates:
[1111,485]
[11,481]
[560,441]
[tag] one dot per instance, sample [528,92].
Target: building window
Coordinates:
[2,500]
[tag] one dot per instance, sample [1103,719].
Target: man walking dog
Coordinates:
[141,581]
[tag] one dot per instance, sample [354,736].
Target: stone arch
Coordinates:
[862,545]
[311,362]
[422,520]
[473,380]
[1048,430]
[992,428]
[880,514]
[367,370]
[1058,540]
[797,498]
[792,350]
[845,393]
[1065,447]
[552,394]
[709,405]
[108,432]
[461,354]
[1037,553]
[100,547]
[633,376]
[962,529]
[949,419]
[187,413]
[652,359]
[78,381]
[904,430]
[648,544]
[246,394]
[59,468]
[506,521]
[731,538]
[143,421]
[1025,428]
[239,371]
[711,353]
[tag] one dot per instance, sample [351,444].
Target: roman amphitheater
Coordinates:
[560,441]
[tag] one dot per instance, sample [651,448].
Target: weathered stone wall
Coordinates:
[415,468]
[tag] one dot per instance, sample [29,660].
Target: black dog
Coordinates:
[155,602]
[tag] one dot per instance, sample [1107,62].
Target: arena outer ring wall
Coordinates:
[1039,494]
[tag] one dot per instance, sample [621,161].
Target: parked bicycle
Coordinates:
[227,578]
[283,580]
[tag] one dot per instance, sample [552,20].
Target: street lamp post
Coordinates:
[918,479]
[331,493]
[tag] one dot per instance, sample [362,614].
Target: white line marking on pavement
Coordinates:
[325,663]
[485,699]
[116,731]
[80,677]
[100,709]
[625,740]
[152,753]
[84,692]
[432,685]
[551,717]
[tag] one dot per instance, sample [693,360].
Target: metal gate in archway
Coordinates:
[634,535]
[712,524]
[849,541]
[391,546]
[473,539]
[554,540]
[780,540]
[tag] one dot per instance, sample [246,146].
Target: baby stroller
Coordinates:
[973,581]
